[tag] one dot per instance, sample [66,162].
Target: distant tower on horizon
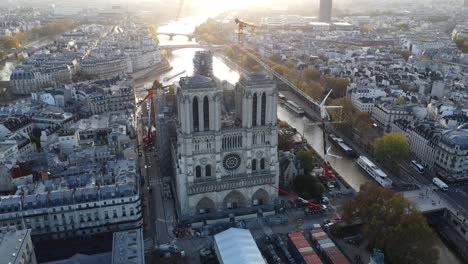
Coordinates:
[326,10]
[203,63]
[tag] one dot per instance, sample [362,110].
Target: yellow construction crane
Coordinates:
[241,25]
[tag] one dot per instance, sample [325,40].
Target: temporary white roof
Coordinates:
[237,246]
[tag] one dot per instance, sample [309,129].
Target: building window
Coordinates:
[254,110]
[195,114]
[254,164]
[262,118]
[198,171]
[262,164]
[208,170]
[206,114]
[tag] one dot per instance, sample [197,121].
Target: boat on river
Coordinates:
[375,172]
[294,107]
[342,145]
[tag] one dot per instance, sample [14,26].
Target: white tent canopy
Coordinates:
[237,246]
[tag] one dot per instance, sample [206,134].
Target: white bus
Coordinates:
[417,166]
[442,185]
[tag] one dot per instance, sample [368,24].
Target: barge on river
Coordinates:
[375,172]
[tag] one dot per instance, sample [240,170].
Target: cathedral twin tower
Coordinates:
[226,152]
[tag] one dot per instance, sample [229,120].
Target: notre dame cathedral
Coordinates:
[226,152]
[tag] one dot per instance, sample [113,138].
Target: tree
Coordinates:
[392,147]
[339,85]
[10,42]
[366,29]
[307,159]
[275,58]
[280,69]
[349,111]
[392,223]
[283,124]
[312,74]
[400,100]
[54,28]
[362,122]
[405,54]
[248,63]
[285,141]
[462,44]
[229,51]
[308,187]
[2,53]
[323,57]
[154,32]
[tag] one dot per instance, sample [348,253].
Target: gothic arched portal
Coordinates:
[234,199]
[260,197]
[205,205]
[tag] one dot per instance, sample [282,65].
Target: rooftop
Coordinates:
[237,245]
[197,82]
[120,181]
[127,247]
[11,243]
[456,137]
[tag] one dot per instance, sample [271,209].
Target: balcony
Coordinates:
[230,182]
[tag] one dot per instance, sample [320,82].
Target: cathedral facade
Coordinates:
[226,151]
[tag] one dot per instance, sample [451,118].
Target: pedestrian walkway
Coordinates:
[427,200]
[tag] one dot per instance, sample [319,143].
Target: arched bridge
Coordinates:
[171,35]
[189,46]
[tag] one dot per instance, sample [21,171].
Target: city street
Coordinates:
[159,217]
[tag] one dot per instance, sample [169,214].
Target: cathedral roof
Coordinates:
[256,78]
[199,81]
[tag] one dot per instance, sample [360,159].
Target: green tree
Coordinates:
[308,187]
[9,42]
[307,159]
[400,100]
[312,74]
[392,147]
[392,223]
[2,53]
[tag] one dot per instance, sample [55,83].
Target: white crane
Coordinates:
[324,115]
